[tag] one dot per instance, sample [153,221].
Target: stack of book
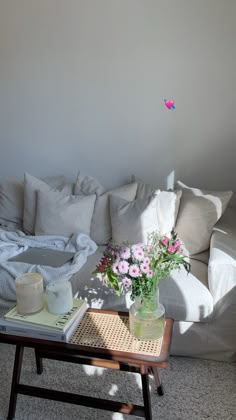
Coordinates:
[44,324]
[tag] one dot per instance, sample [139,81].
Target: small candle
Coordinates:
[60,299]
[29,293]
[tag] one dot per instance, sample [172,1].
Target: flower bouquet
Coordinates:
[138,269]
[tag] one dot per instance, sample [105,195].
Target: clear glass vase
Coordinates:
[147,317]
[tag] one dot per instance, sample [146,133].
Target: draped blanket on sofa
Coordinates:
[13,243]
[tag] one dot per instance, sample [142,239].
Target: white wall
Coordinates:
[82,84]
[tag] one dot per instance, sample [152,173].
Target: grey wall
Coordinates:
[82,84]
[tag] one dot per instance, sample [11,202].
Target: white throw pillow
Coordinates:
[11,201]
[167,210]
[133,221]
[58,214]
[198,213]
[31,186]
[167,204]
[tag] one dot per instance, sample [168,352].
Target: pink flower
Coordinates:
[110,249]
[125,252]
[136,247]
[123,267]
[141,245]
[146,260]
[126,281]
[150,274]
[134,271]
[138,254]
[179,251]
[115,268]
[171,249]
[144,268]
[116,257]
[176,244]
[165,240]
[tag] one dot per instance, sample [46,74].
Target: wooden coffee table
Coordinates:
[101,339]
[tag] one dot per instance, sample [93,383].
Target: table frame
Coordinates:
[73,353]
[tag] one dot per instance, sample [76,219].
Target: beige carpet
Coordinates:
[194,389]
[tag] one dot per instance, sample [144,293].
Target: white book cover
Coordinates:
[44,318]
[38,331]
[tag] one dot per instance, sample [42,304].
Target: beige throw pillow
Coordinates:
[86,185]
[31,186]
[143,189]
[101,222]
[58,214]
[198,213]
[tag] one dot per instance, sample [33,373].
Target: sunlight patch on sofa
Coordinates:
[183,327]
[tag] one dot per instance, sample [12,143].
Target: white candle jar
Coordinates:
[59,296]
[29,293]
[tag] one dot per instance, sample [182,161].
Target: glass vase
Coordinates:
[147,317]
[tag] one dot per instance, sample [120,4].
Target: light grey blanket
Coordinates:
[13,243]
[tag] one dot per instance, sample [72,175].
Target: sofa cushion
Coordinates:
[167,206]
[86,184]
[11,201]
[58,214]
[31,186]
[101,224]
[133,221]
[222,264]
[198,213]
[185,296]
[143,189]
[167,210]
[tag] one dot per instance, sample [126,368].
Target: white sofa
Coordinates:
[202,303]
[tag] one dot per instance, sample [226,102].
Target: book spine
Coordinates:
[43,335]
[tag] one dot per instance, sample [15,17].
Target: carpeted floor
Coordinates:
[194,389]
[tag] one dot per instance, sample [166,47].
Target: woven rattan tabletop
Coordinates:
[111,331]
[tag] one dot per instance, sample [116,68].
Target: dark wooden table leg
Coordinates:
[39,362]
[159,386]
[15,381]
[146,392]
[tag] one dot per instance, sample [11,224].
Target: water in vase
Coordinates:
[147,325]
